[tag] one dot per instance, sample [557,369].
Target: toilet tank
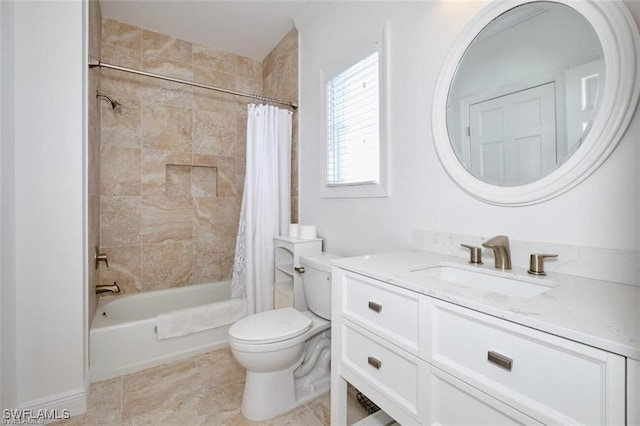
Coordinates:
[316,282]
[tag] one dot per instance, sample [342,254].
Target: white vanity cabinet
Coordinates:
[426,361]
[376,345]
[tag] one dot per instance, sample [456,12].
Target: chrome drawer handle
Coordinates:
[500,360]
[375,307]
[376,363]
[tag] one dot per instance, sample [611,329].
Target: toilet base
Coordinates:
[260,401]
[317,382]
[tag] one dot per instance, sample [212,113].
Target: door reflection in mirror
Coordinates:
[525,93]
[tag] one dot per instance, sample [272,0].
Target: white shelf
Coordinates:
[285,285]
[287,269]
[379,418]
[288,291]
[293,240]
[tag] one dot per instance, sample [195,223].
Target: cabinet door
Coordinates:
[453,402]
[633,392]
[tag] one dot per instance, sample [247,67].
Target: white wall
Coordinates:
[601,212]
[45,254]
[560,39]
[8,336]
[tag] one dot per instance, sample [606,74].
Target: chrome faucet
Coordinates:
[108,288]
[501,251]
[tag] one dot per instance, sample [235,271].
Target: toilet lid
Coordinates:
[271,326]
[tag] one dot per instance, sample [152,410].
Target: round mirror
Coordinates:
[525,93]
[533,98]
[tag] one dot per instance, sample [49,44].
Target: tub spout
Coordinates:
[108,288]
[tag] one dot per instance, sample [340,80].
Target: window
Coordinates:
[353,138]
[354,131]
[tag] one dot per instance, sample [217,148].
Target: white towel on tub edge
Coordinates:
[198,318]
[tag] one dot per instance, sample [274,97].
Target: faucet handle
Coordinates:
[101,257]
[475,254]
[536,263]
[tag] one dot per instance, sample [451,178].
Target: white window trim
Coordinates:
[361,190]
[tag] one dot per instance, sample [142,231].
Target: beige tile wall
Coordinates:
[281,82]
[172,160]
[93,153]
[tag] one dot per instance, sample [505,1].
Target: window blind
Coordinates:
[353,137]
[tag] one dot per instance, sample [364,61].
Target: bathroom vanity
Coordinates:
[433,340]
[429,348]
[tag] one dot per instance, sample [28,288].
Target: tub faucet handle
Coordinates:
[475,254]
[536,263]
[108,288]
[101,257]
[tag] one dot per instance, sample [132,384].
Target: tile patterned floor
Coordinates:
[203,390]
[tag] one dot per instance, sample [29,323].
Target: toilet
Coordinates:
[287,353]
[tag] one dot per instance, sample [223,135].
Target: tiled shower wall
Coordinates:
[93,152]
[172,159]
[281,82]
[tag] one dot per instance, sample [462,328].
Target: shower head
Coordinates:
[117,106]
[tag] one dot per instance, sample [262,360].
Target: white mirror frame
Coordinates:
[618,33]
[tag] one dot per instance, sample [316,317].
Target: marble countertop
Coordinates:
[598,313]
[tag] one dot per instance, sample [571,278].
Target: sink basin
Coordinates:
[505,283]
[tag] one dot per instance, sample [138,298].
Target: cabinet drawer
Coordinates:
[453,402]
[391,311]
[390,370]
[549,378]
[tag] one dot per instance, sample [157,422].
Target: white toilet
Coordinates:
[287,353]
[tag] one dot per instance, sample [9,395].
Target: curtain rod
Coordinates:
[95,63]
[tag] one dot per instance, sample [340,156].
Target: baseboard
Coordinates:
[56,407]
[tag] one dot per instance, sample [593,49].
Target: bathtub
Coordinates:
[123,340]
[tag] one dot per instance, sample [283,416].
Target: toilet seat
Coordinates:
[270,326]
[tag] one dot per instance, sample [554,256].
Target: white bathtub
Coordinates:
[123,340]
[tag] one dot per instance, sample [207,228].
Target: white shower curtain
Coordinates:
[266,205]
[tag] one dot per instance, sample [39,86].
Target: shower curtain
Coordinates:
[266,205]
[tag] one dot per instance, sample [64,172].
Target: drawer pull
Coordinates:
[500,360]
[376,363]
[375,307]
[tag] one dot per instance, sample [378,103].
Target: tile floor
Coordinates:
[203,390]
